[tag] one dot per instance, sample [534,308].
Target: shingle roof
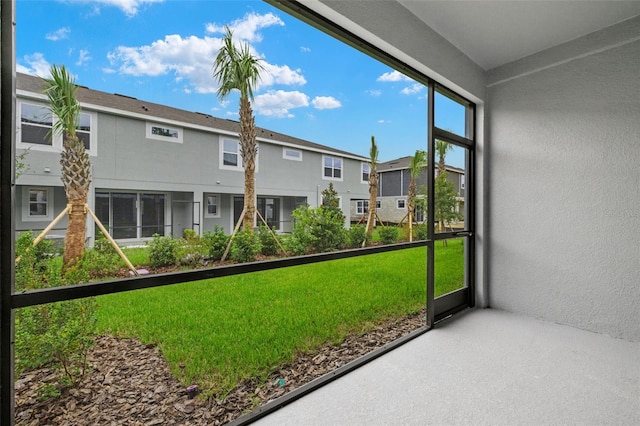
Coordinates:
[129,104]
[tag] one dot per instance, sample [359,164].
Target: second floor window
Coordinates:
[366,171]
[231,157]
[36,122]
[332,168]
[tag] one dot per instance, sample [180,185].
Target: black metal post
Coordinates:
[430,205]
[7,177]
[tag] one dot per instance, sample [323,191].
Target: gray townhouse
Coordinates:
[393,187]
[158,169]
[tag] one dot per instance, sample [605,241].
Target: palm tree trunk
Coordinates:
[249,152]
[76,232]
[373,195]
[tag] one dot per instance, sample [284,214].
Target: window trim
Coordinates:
[360,206]
[26,217]
[150,135]
[404,203]
[206,205]
[56,139]
[341,178]
[288,157]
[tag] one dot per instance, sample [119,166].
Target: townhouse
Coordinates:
[158,169]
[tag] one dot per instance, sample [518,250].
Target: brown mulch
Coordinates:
[130,384]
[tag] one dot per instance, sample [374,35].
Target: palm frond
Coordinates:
[236,68]
[61,92]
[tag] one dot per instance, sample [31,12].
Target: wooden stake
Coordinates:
[112,241]
[271,231]
[235,230]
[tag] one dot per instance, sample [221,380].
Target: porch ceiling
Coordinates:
[493,33]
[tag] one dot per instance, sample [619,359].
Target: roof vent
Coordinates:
[144,107]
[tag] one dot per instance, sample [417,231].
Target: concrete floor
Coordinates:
[487,367]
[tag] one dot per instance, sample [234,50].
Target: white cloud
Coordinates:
[383,121]
[108,70]
[83,57]
[374,92]
[412,90]
[191,58]
[305,49]
[247,27]
[393,76]
[280,74]
[58,34]
[129,7]
[325,102]
[277,103]
[37,65]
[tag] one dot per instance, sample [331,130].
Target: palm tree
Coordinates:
[76,167]
[373,187]
[442,148]
[417,164]
[236,68]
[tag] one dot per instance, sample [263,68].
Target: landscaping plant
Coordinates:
[162,251]
[245,246]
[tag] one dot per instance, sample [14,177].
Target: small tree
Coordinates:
[418,162]
[373,187]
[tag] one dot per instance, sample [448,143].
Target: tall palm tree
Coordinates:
[236,68]
[76,167]
[373,187]
[417,164]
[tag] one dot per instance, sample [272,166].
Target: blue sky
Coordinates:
[313,87]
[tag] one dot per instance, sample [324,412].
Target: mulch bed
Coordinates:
[130,384]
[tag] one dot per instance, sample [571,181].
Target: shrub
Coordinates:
[268,243]
[356,235]
[101,261]
[420,232]
[388,234]
[216,242]
[245,246]
[162,251]
[319,229]
[192,249]
[61,333]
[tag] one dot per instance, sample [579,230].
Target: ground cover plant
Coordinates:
[216,333]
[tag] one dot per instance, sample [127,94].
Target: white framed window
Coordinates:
[230,157]
[37,204]
[35,123]
[401,203]
[291,154]
[212,205]
[164,132]
[362,206]
[378,205]
[365,169]
[332,168]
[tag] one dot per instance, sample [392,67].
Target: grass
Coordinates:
[219,332]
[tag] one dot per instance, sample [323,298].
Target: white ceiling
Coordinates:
[493,33]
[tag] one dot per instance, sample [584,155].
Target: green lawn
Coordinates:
[218,332]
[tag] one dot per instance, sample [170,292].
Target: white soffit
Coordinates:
[493,33]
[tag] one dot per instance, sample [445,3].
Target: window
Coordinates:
[35,129]
[291,154]
[462,181]
[401,203]
[36,122]
[366,171]
[38,204]
[362,206]
[230,157]
[164,132]
[211,203]
[332,168]
[378,205]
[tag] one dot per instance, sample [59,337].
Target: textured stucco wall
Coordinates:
[565,189]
